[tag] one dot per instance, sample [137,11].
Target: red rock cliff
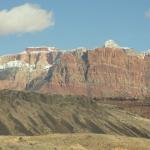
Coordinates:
[102,72]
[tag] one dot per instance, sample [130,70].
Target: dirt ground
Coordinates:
[73,142]
[33,121]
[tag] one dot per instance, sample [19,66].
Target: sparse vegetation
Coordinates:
[74,142]
[84,123]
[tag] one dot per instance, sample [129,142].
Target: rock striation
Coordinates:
[110,71]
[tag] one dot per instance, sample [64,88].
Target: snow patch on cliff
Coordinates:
[21,65]
[147,52]
[47,67]
[111,44]
[37,50]
[13,64]
[16,63]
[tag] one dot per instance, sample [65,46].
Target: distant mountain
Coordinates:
[110,71]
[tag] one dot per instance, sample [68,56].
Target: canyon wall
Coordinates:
[101,72]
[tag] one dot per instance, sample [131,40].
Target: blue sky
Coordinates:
[87,23]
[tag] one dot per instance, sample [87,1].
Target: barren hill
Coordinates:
[28,113]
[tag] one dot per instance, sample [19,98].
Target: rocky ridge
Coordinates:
[109,71]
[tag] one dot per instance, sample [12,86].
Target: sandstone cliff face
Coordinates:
[16,71]
[103,72]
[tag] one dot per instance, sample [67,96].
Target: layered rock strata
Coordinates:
[110,71]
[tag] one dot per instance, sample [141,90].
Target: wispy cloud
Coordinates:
[147,13]
[25,18]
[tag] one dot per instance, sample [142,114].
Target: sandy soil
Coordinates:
[73,142]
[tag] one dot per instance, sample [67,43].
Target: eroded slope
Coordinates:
[28,113]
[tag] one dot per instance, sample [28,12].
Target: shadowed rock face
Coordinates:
[102,72]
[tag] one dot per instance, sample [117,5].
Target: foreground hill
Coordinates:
[74,142]
[109,71]
[28,113]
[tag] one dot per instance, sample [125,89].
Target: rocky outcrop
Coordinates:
[111,71]
[104,72]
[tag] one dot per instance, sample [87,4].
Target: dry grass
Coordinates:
[81,123]
[74,142]
[28,113]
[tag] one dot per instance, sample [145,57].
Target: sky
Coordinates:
[68,24]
